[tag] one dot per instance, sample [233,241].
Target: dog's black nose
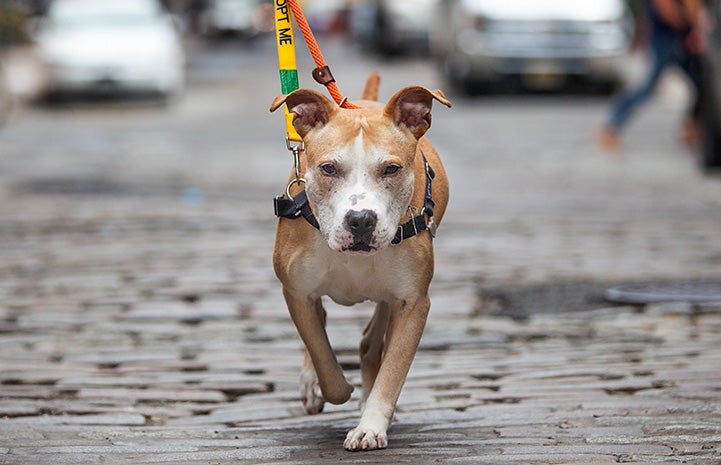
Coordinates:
[361,223]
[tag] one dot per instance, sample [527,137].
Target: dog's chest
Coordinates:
[350,279]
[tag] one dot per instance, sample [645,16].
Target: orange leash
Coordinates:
[322,73]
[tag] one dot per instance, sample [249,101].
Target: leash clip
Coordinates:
[296,148]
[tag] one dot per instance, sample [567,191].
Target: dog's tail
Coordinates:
[370,91]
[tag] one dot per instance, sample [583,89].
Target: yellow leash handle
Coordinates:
[285,42]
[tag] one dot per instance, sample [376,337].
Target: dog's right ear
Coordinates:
[311,109]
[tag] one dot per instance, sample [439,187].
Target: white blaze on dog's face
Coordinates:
[360,164]
[360,191]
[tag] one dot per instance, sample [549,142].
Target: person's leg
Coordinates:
[626,104]
[691,66]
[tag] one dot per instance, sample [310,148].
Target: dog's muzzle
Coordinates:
[361,224]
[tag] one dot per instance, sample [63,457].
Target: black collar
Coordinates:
[298,206]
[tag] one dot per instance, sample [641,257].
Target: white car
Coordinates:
[541,42]
[110,46]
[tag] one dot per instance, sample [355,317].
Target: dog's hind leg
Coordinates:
[371,348]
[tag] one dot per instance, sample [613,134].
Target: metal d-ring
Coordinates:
[297,180]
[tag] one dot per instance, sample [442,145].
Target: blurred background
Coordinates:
[139,310]
[136,101]
[67,50]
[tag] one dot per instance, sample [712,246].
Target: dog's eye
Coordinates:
[329,169]
[391,170]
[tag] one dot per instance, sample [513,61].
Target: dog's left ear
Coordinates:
[411,107]
[311,109]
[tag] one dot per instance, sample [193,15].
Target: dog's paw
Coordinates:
[310,393]
[365,439]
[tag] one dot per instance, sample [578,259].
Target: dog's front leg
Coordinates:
[310,393]
[310,326]
[406,328]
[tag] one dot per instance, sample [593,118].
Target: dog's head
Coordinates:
[360,163]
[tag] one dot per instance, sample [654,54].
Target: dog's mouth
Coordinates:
[359,246]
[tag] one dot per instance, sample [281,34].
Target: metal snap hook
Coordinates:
[296,149]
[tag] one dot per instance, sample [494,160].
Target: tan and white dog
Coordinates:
[371,180]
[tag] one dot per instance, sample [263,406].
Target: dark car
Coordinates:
[710,144]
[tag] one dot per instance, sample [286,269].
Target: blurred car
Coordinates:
[710,143]
[542,42]
[110,46]
[247,18]
[394,27]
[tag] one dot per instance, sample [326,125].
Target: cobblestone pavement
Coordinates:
[124,341]
[143,324]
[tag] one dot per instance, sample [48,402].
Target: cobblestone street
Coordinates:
[141,322]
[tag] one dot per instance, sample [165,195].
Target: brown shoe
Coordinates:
[608,140]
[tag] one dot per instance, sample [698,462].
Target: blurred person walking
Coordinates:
[675,39]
